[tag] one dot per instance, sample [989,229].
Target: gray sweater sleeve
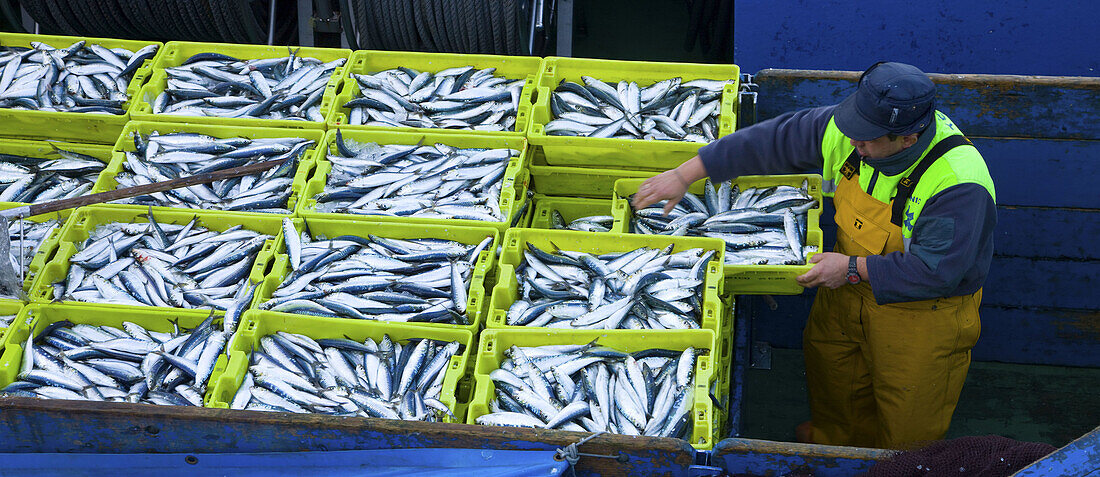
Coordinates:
[950,250]
[787,144]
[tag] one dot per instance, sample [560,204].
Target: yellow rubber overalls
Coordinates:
[890,375]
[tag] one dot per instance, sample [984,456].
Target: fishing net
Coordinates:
[979,456]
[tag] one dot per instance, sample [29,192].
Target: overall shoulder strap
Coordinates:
[908,184]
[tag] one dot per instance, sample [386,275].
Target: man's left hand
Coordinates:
[830,270]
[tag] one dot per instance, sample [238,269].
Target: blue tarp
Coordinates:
[387,462]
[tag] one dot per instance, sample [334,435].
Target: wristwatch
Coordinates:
[853,271]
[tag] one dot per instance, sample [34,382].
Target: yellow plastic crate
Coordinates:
[579,181]
[107,179]
[477,301]
[372,61]
[76,127]
[494,343]
[257,324]
[570,209]
[176,52]
[624,153]
[516,240]
[745,279]
[512,193]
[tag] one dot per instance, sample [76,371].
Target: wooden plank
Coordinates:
[1040,232]
[756,457]
[39,425]
[1043,283]
[1042,172]
[1060,107]
[1077,458]
[987,36]
[1009,334]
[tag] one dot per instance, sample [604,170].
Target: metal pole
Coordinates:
[565,28]
[271,24]
[305,31]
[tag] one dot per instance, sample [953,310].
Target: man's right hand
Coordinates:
[670,185]
[664,186]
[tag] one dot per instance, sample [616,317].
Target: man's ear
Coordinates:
[909,140]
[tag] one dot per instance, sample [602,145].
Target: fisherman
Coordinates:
[888,341]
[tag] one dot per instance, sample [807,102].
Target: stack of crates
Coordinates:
[574,177]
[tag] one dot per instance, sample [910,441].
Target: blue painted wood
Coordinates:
[741,353]
[30,425]
[1043,283]
[982,36]
[388,462]
[1056,337]
[1031,172]
[1078,458]
[981,105]
[767,458]
[1047,233]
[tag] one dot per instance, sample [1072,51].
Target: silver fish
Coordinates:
[160,264]
[33,179]
[171,156]
[639,289]
[759,225]
[103,363]
[209,84]
[415,181]
[378,278]
[25,237]
[594,223]
[347,377]
[595,389]
[668,110]
[455,98]
[80,78]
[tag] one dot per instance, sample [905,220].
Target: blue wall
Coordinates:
[1051,37]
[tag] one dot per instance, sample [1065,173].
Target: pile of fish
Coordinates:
[162,157]
[455,98]
[592,223]
[34,179]
[132,364]
[377,278]
[760,225]
[589,388]
[25,237]
[670,110]
[294,373]
[5,320]
[439,182]
[153,264]
[644,288]
[80,78]
[213,84]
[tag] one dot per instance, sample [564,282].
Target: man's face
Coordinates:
[881,147]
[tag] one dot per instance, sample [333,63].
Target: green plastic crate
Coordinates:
[477,302]
[372,61]
[515,242]
[494,343]
[76,127]
[745,279]
[570,209]
[107,179]
[87,219]
[176,52]
[35,317]
[257,324]
[513,190]
[626,153]
[579,181]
